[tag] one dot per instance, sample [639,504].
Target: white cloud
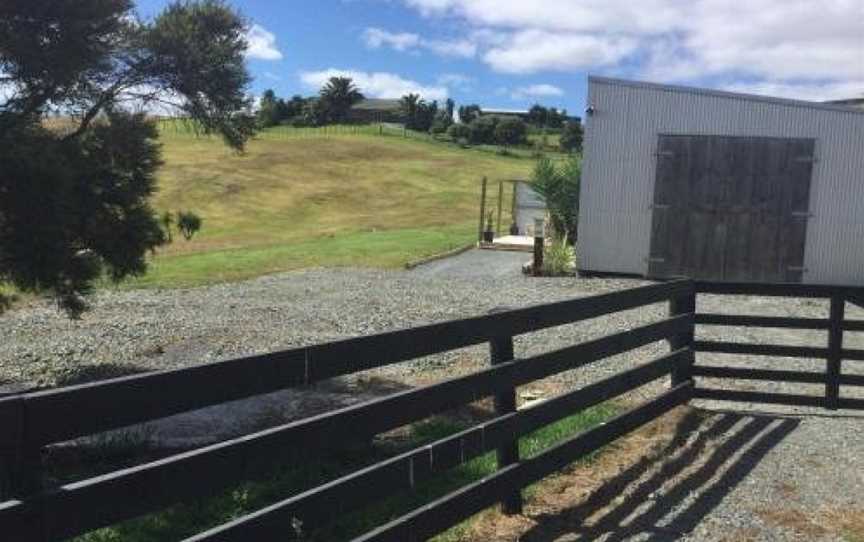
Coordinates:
[531,51]
[375,38]
[790,46]
[542,90]
[456,48]
[262,44]
[376,84]
[273,76]
[816,92]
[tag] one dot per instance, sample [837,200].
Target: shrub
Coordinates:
[558,186]
[459,131]
[188,223]
[571,137]
[510,131]
[483,130]
[467,113]
[559,258]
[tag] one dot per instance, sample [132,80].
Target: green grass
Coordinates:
[303,473]
[388,248]
[289,203]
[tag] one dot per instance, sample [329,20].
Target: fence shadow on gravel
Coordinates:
[727,446]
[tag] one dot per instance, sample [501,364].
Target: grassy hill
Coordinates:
[335,200]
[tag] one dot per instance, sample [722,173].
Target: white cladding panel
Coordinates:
[620,162]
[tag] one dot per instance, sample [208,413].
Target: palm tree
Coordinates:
[410,104]
[337,97]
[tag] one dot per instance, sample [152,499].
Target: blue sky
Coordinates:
[510,54]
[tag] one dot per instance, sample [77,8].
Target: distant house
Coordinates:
[518,113]
[376,110]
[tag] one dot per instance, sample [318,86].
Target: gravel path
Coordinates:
[813,465]
[128,331]
[477,263]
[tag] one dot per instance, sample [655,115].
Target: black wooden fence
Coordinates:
[833,352]
[28,422]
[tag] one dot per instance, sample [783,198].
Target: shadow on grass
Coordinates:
[709,466]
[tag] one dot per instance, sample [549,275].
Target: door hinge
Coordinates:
[659,206]
[802,214]
[654,259]
[797,268]
[664,153]
[806,159]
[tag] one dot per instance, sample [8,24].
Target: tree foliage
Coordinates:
[336,98]
[511,131]
[571,137]
[460,133]
[546,117]
[188,223]
[467,113]
[558,186]
[74,202]
[419,114]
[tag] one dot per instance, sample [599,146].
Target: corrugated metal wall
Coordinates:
[620,163]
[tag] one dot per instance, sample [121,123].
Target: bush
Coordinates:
[459,131]
[483,130]
[571,137]
[438,127]
[510,131]
[558,186]
[188,223]
[559,258]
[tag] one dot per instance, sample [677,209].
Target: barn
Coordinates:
[721,186]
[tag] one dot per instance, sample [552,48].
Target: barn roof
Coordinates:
[726,94]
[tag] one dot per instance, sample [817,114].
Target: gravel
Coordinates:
[129,331]
[814,463]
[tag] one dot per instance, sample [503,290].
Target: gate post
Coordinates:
[501,351]
[482,210]
[683,304]
[835,352]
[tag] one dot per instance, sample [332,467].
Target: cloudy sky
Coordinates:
[511,53]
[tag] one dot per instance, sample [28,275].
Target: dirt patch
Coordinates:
[793,520]
[847,522]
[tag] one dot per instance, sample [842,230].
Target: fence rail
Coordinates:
[69,510]
[30,421]
[833,354]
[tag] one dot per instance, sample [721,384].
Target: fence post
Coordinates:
[539,242]
[20,463]
[500,206]
[501,351]
[683,304]
[835,352]
[482,210]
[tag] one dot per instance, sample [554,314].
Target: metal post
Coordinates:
[683,304]
[835,352]
[482,210]
[501,351]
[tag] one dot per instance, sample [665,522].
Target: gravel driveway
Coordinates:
[818,460]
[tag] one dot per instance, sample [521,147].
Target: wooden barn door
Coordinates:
[731,208]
